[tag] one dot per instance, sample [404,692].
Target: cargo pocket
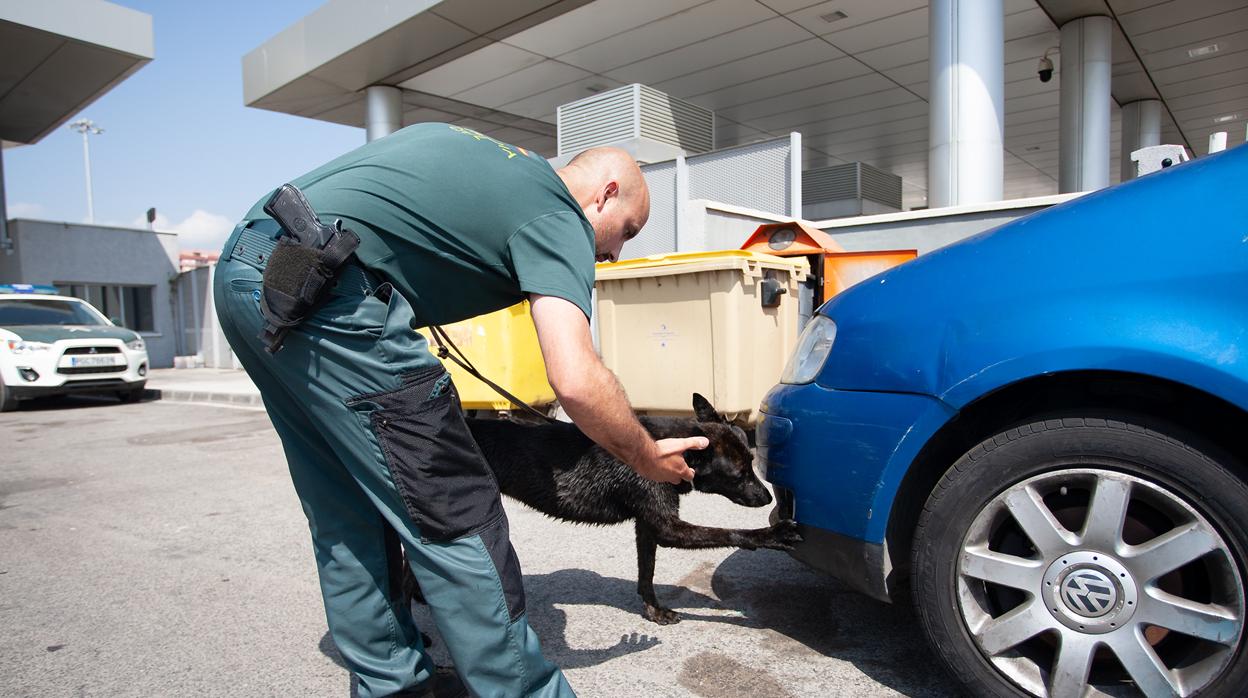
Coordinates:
[497,541]
[443,479]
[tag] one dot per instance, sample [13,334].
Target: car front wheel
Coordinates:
[1087,555]
[8,401]
[131,395]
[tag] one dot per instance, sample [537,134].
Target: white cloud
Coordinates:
[24,210]
[199,231]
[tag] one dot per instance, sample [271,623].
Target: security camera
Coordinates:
[1045,69]
[1046,65]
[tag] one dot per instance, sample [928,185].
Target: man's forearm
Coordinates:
[599,406]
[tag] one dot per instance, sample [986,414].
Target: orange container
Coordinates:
[844,269]
[833,268]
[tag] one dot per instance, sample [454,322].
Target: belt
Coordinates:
[255,242]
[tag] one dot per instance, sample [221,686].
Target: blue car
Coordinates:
[1039,436]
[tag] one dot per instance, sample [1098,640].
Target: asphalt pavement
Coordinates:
[158,549]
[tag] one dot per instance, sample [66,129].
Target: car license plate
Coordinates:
[77,361]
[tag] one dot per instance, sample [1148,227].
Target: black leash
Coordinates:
[443,340]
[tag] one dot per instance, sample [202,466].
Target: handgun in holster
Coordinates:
[303,266]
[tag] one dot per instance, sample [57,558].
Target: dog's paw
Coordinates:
[783,535]
[660,615]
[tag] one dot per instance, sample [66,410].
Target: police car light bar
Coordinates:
[29,288]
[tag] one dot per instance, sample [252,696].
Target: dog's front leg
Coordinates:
[674,533]
[646,547]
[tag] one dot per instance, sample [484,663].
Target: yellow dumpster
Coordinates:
[717,323]
[503,346]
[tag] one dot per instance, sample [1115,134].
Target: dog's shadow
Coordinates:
[807,614]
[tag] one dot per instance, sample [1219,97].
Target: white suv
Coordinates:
[56,345]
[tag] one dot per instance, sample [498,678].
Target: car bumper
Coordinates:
[48,373]
[836,459]
[861,565]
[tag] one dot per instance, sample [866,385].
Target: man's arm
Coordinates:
[593,398]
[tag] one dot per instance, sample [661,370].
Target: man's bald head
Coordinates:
[609,186]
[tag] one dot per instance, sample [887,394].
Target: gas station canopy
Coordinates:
[852,76]
[58,56]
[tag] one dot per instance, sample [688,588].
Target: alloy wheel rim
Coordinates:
[1079,581]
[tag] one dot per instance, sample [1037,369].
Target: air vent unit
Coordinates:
[852,189]
[651,125]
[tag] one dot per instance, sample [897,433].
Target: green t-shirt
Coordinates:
[460,223]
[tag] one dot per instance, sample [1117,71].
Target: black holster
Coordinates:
[300,271]
[296,281]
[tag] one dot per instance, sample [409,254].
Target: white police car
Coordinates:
[56,345]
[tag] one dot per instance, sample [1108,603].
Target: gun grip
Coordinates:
[291,210]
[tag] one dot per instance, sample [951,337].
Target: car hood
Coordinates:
[1099,261]
[52,333]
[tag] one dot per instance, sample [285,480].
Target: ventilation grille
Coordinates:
[853,180]
[608,117]
[676,122]
[880,186]
[834,183]
[634,111]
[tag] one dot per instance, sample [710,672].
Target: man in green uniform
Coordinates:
[452,224]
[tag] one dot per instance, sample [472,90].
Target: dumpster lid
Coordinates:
[790,238]
[747,261]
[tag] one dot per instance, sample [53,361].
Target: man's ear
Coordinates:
[704,411]
[610,191]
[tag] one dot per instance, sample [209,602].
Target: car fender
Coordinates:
[1225,381]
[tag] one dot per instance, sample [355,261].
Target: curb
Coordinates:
[204,397]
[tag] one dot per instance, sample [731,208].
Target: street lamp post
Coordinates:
[87,126]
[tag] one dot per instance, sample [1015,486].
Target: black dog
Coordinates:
[560,472]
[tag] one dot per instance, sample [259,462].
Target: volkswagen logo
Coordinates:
[1089,592]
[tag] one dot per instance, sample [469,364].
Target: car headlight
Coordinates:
[20,347]
[136,345]
[811,351]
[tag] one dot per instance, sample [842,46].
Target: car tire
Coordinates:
[8,401]
[132,395]
[1063,545]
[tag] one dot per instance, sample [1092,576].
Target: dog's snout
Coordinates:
[755,495]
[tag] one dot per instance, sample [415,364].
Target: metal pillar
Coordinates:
[1084,131]
[385,112]
[795,175]
[1141,127]
[966,111]
[6,245]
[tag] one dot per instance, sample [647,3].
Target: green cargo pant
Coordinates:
[376,444]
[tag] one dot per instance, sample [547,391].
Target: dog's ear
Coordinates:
[704,411]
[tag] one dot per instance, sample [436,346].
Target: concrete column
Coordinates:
[966,110]
[385,111]
[1083,164]
[1141,127]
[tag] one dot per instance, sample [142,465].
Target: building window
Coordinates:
[128,306]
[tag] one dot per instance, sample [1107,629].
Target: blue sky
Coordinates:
[177,135]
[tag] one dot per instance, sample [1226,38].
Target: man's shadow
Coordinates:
[804,611]
[543,594]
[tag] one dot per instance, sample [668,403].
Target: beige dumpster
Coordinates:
[718,323]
